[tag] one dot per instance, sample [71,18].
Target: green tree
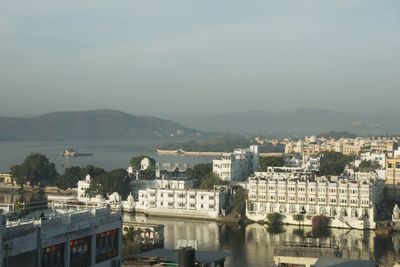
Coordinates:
[199,171]
[73,174]
[238,202]
[275,218]
[333,163]
[113,181]
[36,169]
[209,181]
[368,165]
[273,161]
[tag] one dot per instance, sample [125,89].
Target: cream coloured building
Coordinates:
[190,203]
[350,203]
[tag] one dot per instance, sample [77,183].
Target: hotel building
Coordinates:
[350,203]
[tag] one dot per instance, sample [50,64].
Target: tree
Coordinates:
[333,163]
[209,181]
[73,174]
[238,202]
[273,161]
[368,165]
[298,217]
[135,162]
[320,226]
[35,169]
[199,171]
[113,181]
[275,218]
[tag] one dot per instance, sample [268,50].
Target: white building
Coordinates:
[76,238]
[170,170]
[349,203]
[83,185]
[238,165]
[145,164]
[374,157]
[190,203]
[173,184]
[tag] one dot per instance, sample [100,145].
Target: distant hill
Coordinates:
[89,124]
[301,121]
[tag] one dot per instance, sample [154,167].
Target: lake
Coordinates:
[108,153]
[254,244]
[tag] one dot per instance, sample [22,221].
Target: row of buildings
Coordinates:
[350,202]
[347,146]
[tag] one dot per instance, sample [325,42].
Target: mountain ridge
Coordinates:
[301,121]
[97,123]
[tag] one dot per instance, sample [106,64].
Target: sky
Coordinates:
[187,58]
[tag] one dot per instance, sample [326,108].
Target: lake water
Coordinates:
[254,245]
[108,154]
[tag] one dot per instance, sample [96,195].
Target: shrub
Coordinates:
[275,218]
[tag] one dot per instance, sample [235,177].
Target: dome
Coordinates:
[130,198]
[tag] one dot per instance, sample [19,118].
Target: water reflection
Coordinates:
[254,244]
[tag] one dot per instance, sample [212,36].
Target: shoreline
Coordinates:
[181,152]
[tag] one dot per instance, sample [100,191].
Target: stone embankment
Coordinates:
[182,152]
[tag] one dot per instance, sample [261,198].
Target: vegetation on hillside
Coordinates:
[338,134]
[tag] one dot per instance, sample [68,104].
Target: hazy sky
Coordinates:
[171,57]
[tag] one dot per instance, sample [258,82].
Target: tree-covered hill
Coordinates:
[89,124]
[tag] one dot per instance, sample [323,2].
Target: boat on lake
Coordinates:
[72,153]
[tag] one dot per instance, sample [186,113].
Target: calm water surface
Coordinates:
[254,244]
[108,154]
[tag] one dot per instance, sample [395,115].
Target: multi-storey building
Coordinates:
[350,203]
[238,165]
[393,171]
[77,238]
[193,203]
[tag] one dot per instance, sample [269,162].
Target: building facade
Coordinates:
[191,203]
[393,171]
[78,238]
[350,203]
[238,165]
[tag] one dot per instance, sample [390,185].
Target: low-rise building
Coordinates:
[238,165]
[6,178]
[350,203]
[170,170]
[193,203]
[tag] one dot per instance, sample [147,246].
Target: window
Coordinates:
[80,251]
[106,245]
[53,256]
[211,197]
[211,207]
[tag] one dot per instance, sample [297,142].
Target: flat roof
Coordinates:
[340,262]
[171,255]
